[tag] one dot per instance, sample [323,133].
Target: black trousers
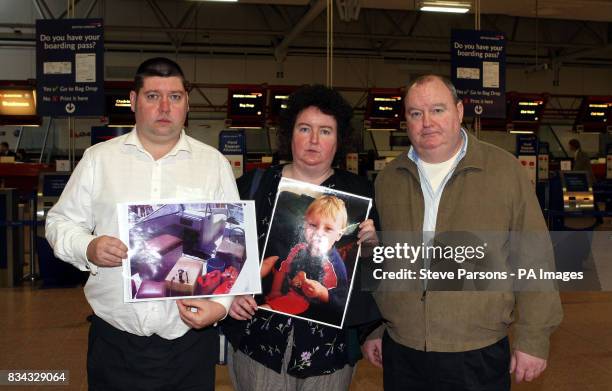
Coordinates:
[117,360]
[483,369]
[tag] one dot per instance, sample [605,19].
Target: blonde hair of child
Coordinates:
[329,206]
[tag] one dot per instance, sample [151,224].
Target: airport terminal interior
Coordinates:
[534,76]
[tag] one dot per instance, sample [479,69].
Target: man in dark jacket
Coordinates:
[451,182]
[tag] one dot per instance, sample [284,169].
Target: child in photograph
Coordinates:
[313,276]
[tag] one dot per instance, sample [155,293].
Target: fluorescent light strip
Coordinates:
[454,10]
[521,132]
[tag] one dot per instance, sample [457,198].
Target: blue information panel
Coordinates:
[70,67]
[478,71]
[232,144]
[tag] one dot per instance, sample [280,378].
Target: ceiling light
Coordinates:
[457,7]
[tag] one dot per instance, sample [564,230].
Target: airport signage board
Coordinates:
[246,106]
[232,144]
[385,109]
[478,71]
[70,67]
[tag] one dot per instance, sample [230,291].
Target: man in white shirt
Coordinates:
[156,345]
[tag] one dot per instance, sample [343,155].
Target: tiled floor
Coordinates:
[46,329]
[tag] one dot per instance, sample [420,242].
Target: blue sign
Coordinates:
[526,145]
[232,144]
[70,67]
[478,71]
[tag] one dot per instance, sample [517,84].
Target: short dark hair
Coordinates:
[4,144]
[326,99]
[158,66]
[574,143]
[431,77]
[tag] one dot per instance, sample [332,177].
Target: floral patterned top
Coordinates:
[317,349]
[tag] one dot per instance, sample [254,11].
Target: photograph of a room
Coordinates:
[187,249]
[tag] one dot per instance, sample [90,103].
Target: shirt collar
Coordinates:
[414,156]
[181,145]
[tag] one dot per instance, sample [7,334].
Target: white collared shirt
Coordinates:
[120,170]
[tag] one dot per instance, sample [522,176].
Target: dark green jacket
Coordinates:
[488,192]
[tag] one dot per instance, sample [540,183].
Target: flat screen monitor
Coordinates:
[528,110]
[278,103]
[597,112]
[246,103]
[18,106]
[575,181]
[385,106]
[118,109]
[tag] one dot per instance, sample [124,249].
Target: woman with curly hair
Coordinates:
[272,351]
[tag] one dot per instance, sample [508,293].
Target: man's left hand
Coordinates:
[367,233]
[206,312]
[525,366]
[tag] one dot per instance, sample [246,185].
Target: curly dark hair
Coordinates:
[326,99]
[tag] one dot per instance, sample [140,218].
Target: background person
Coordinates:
[146,345]
[5,150]
[273,351]
[581,159]
[449,181]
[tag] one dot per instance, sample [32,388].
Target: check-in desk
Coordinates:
[52,271]
[572,218]
[578,200]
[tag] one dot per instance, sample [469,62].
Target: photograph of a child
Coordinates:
[311,252]
[189,249]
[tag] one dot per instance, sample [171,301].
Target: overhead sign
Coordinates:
[18,104]
[384,109]
[279,98]
[478,71]
[595,114]
[70,67]
[246,105]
